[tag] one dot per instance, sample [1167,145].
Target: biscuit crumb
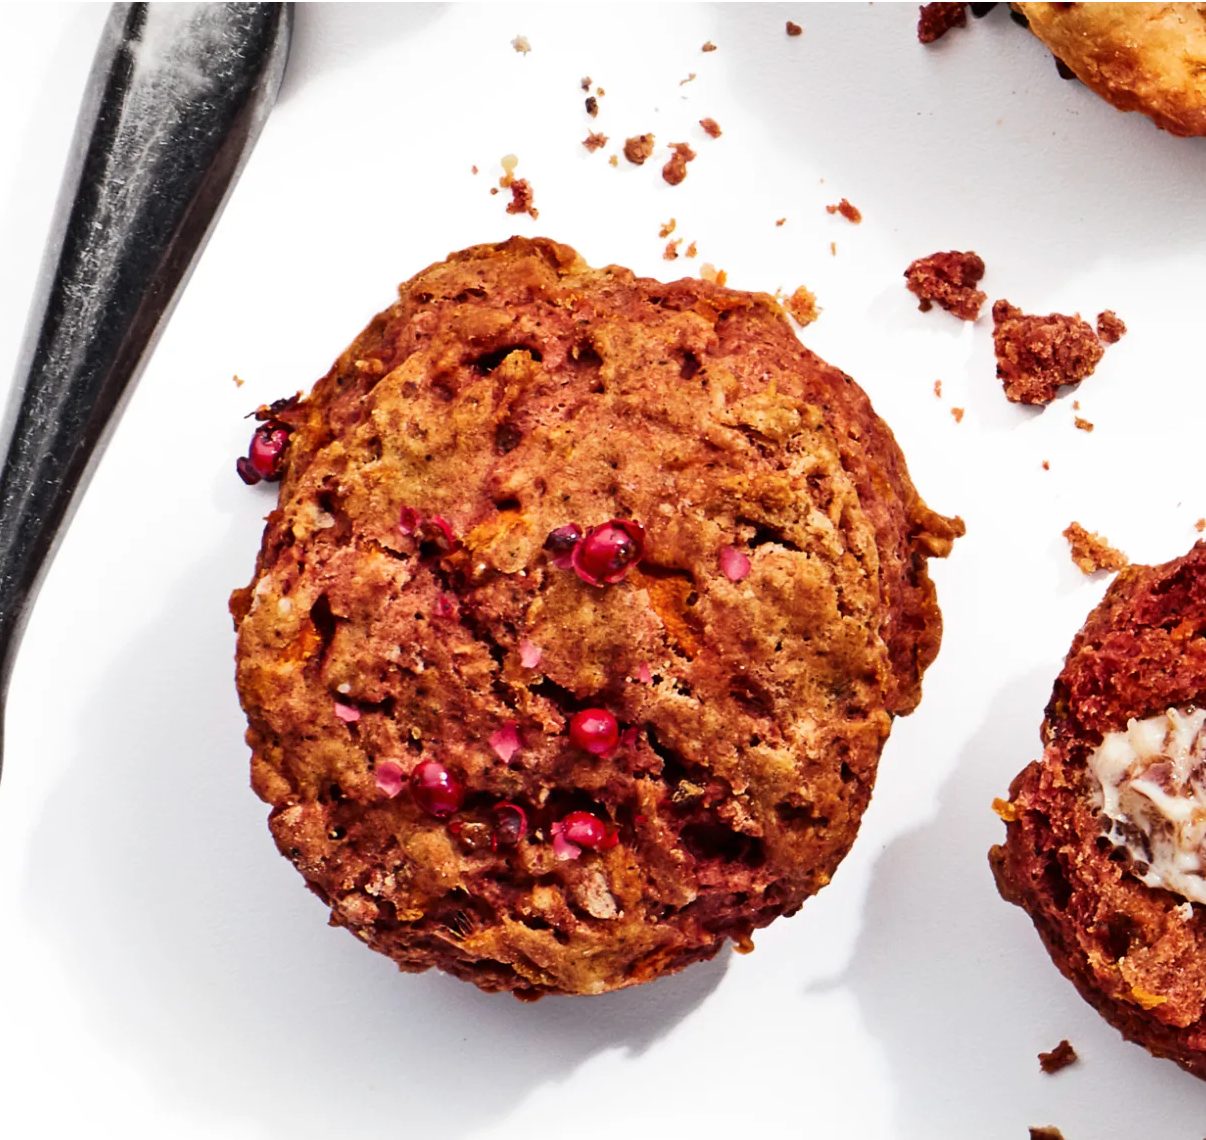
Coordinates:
[1110,327]
[684,82]
[594,141]
[473,170]
[802,305]
[691,251]
[586,82]
[239,382]
[781,222]
[1050,1132]
[711,127]
[521,199]
[671,250]
[508,162]
[709,272]
[1006,810]
[935,20]
[592,106]
[614,160]
[1046,465]
[938,389]
[521,44]
[950,279]
[709,46]
[1091,552]
[1060,1057]
[638,148]
[1037,355]
[1200,525]
[833,248]
[676,169]
[794,29]
[668,228]
[849,212]
[958,414]
[1083,424]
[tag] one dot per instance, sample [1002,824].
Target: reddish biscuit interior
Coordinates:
[513,390]
[1131,950]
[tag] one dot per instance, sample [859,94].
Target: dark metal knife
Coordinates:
[176,99]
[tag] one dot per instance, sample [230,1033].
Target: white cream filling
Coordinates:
[1151,787]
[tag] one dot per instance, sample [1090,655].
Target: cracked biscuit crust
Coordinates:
[513,390]
[1139,57]
[1136,953]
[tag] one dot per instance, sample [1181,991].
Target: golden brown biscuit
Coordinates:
[1103,834]
[1140,57]
[576,635]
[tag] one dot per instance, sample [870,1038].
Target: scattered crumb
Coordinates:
[709,272]
[1083,424]
[950,279]
[1110,327]
[521,199]
[935,20]
[668,228]
[691,250]
[473,169]
[638,148]
[493,189]
[781,221]
[1050,1132]
[520,43]
[1036,355]
[938,389]
[508,162]
[1076,405]
[1200,525]
[958,414]
[600,92]
[802,305]
[709,46]
[849,212]
[833,248]
[794,29]
[614,160]
[239,382]
[711,127]
[670,253]
[1060,1057]
[592,106]
[676,169]
[1046,465]
[586,82]
[1091,552]
[684,82]
[1005,809]
[594,141]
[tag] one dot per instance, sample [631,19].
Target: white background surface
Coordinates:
[162,971]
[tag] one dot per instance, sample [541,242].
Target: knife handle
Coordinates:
[175,100]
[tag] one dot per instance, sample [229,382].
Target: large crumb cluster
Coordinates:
[849,212]
[1058,1058]
[802,305]
[1110,327]
[1036,355]
[676,169]
[1091,552]
[638,148]
[935,20]
[949,280]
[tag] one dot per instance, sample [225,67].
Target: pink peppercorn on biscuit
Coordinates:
[574,640]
